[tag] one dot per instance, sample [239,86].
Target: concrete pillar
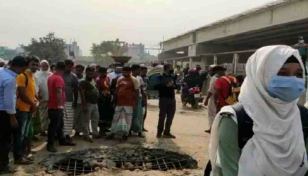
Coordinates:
[174,63]
[235,62]
[190,62]
[215,59]
[182,66]
[203,61]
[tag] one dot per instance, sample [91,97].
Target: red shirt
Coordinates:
[55,81]
[223,88]
[103,83]
[127,91]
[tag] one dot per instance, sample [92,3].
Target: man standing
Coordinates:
[167,104]
[209,100]
[126,93]
[222,87]
[89,97]
[78,109]
[71,92]
[115,74]
[185,70]
[302,47]
[41,78]
[56,90]
[143,74]
[26,105]
[137,122]
[8,109]
[104,102]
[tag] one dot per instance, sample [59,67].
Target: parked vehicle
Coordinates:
[193,98]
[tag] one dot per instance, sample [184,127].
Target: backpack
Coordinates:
[26,83]
[245,131]
[245,124]
[233,91]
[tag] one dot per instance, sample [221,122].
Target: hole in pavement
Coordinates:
[90,160]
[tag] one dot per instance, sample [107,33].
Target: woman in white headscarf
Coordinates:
[275,80]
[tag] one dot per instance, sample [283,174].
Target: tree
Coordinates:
[103,51]
[48,47]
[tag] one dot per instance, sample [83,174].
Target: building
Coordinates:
[73,50]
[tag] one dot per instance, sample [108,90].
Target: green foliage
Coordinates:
[102,52]
[7,54]
[48,47]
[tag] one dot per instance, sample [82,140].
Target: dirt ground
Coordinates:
[188,126]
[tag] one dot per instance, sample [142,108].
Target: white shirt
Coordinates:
[41,78]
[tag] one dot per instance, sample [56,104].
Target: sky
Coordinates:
[93,21]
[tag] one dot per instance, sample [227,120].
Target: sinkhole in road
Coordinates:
[89,160]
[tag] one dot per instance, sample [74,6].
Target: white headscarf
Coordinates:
[277,147]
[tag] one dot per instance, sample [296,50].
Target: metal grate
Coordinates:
[72,167]
[143,159]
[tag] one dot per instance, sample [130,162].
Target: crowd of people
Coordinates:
[64,100]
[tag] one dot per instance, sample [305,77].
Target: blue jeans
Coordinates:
[24,119]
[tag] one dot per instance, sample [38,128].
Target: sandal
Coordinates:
[88,139]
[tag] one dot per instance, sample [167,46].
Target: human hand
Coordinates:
[13,122]
[206,102]
[170,84]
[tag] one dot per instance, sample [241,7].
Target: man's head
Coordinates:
[126,71]
[221,71]
[301,39]
[198,68]
[52,67]
[44,65]
[144,72]
[118,70]
[136,69]
[69,65]
[19,64]
[90,72]
[211,70]
[102,72]
[33,63]
[167,68]
[79,69]
[60,67]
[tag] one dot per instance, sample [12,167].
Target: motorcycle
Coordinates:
[194,97]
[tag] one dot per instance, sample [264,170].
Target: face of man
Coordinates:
[137,72]
[143,73]
[69,68]
[90,74]
[103,74]
[79,71]
[33,66]
[44,66]
[126,74]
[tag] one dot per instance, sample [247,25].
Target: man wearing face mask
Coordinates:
[167,105]
[302,48]
[26,105]
[41,89]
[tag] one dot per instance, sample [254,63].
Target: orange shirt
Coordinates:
[30,90]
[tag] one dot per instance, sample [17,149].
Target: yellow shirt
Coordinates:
[30,90]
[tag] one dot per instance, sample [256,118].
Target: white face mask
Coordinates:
[302,41]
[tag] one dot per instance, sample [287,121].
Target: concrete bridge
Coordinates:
[234,39]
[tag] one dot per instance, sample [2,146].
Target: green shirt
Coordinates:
[228,148]
[91,92]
